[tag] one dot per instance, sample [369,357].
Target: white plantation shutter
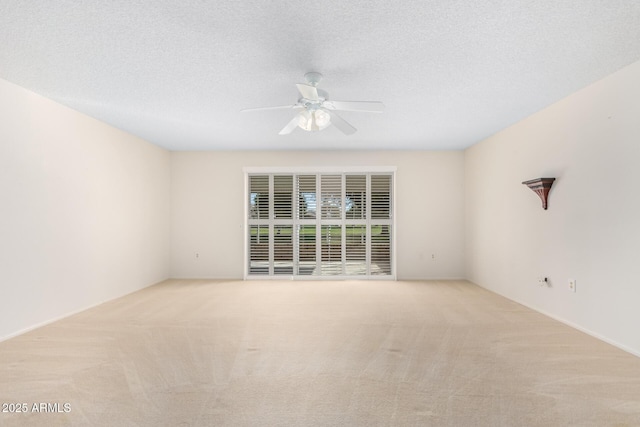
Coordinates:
[306,189]
[355,206]
[380,197]
[283,249]
[259,249]
[355,250]
[306,224]
[331,196]
[381,224]
[355,197]
[259,196]
[320,224]
[282,216]
[331,231]
[259,246]
[331,250]
[283,197]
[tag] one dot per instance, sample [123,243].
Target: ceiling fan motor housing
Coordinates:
[313,78]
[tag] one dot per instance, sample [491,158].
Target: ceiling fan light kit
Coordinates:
[317,112]
[312,121]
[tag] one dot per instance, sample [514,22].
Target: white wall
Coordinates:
[590,142]
[84,214]
[208,208]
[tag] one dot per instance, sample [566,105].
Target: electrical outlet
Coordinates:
[542,281]
[572,285]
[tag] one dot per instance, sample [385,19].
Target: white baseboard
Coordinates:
[63,316]
[568,323]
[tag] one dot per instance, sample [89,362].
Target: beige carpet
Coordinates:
[285,353]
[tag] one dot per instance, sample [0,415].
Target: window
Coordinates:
[320,224]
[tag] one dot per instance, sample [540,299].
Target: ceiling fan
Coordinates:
[316,112]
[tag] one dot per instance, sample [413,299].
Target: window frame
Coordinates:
[344,221]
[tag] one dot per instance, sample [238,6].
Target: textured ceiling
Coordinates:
[177,73]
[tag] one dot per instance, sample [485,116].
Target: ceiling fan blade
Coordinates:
[363,106]
[291,125]
[280,107]
[341,123]
[308,91]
